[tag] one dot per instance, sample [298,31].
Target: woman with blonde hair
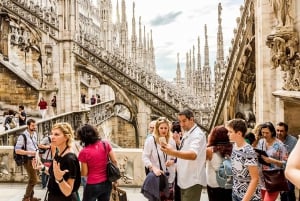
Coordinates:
[154,159]
[64,173]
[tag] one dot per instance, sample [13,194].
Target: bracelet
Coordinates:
[59,181]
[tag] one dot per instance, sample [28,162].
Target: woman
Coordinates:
[43,107]
[153,157]
[93,158]
[292,170]
[64,173]
[218,147]
[277,156]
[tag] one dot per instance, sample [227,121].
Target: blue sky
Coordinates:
[176,25]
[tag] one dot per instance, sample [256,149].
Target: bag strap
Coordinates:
[157,154]
[105,150]
[25,141]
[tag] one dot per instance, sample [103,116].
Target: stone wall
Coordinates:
[15,91]
[129,162]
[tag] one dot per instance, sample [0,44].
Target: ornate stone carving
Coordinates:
[284,13]
[284,54]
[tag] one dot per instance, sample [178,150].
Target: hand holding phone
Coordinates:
[162,140]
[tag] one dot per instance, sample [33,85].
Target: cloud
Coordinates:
[176,26]
[165,19]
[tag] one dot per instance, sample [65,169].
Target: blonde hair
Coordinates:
[159,121]
[67,130]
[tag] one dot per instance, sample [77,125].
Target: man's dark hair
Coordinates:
[238,125]
[187,113]
[21,107]
[29,121]
[286,127]
[175,127]
[250,138]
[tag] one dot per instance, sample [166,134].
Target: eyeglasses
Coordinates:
[162,119]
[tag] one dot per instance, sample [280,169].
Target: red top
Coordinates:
[42,105]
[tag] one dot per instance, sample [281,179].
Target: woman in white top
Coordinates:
[218,147]
[152,153]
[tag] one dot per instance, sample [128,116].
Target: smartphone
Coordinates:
[162,140]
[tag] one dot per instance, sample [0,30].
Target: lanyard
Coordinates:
[185,137]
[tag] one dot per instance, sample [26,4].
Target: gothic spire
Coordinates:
[220,48]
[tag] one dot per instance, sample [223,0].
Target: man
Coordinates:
[30,152]
[289,141]
[46,157]
[22,116]
[191,158]
[151,128]
[244,164]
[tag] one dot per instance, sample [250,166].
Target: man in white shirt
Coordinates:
[191,158]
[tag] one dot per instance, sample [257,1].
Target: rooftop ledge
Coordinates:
[293,96]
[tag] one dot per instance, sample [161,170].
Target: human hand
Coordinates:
[36,165]
[157,171]
[170,162]
[167,148]
[266,159]
[58,173]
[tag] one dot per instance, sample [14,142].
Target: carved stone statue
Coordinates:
[283,11]
[4,34]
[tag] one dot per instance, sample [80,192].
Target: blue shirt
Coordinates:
[31,141]
[290,142]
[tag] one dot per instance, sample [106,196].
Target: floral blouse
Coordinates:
[277,151]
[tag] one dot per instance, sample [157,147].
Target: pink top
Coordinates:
[95,157]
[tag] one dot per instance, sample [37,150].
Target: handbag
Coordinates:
[275,180]
[118,194]
[112,171]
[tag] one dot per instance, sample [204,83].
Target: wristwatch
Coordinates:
[59,181]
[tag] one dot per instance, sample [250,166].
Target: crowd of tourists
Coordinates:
[179,159]
[231,162]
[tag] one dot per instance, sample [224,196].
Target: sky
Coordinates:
[176,25]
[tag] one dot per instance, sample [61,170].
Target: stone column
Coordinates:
[266,77]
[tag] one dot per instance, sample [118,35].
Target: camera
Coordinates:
[167,173]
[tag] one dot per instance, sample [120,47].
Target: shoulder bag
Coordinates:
[112,171]
[275,180]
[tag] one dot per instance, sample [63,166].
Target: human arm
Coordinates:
[276,159]
[22,115]
[187,154]
[148,154]
[292,170]
[254,174]
[84,169]
[66,186]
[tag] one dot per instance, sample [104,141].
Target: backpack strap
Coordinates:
[25,141]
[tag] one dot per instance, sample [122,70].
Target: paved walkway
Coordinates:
[15,191]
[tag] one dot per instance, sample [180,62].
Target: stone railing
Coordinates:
[43,18]
[149,86]
[129,159]
[129,162]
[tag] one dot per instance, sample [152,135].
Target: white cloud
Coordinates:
[177,24]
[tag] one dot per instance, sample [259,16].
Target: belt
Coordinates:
[30,157]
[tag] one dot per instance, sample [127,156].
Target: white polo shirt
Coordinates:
[192,172]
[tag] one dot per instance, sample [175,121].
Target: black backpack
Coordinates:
[20,159]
